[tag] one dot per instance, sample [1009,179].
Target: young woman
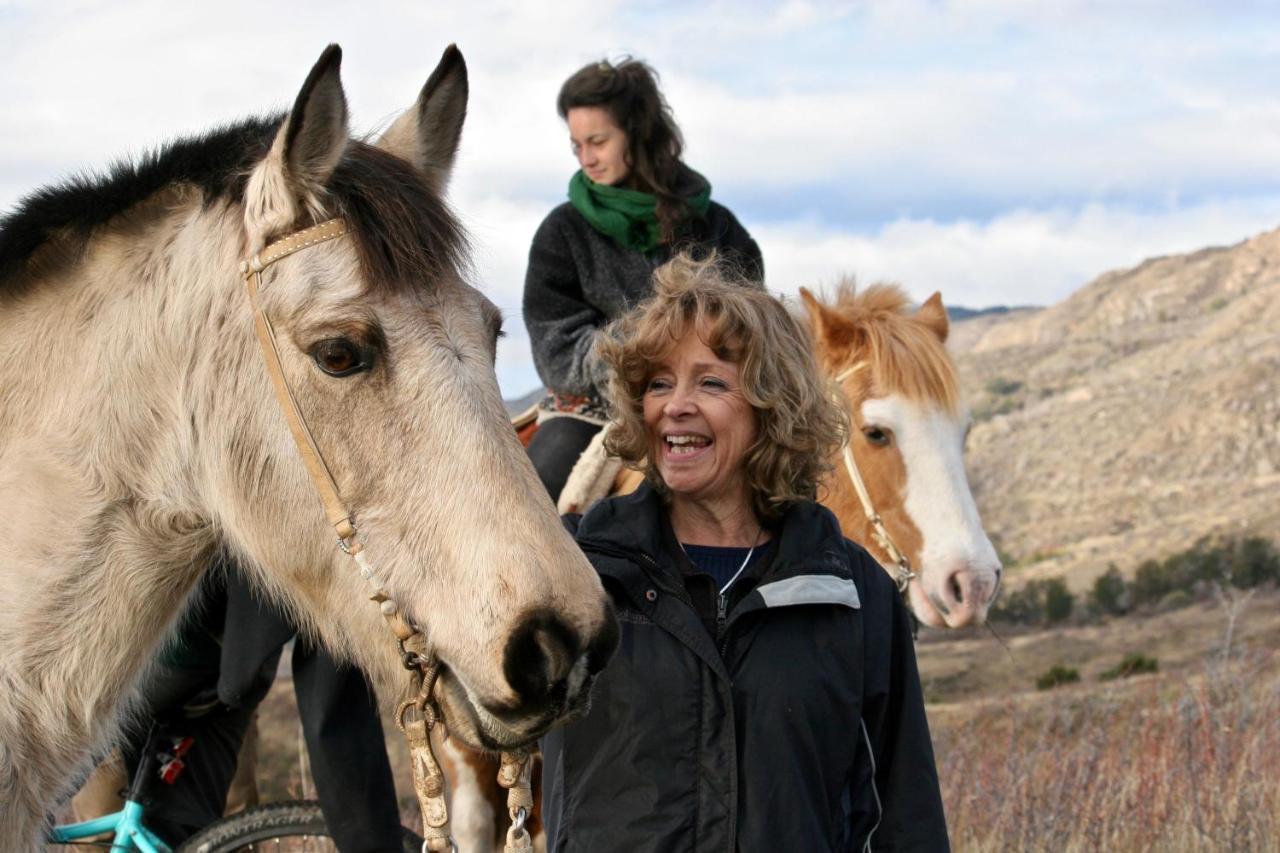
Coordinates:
[632,205]
[764,695]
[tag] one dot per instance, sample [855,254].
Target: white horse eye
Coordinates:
[877,436]
[339,357]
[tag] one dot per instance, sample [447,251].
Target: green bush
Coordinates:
[1039,602]
[1254,561]
[1003,387]
[1058,601]
[1134,664]
[1001,407]
[1057,675]
[1110,594]
[1244,563]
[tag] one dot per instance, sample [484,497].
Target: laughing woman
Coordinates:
[764,695]
[632,206]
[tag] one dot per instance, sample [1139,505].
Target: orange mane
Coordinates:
[906,354]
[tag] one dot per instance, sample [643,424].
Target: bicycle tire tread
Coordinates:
[279,819]
[297,817]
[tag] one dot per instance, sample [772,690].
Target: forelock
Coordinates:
[405,234]
[907,356]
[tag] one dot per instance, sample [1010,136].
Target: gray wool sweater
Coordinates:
[578,280]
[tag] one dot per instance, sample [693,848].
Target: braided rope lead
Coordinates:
[515,775]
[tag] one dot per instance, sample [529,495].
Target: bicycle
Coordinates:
[293,825]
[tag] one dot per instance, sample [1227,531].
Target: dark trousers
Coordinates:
[555,449]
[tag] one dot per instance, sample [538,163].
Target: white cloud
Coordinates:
[995,150]
[1022,257]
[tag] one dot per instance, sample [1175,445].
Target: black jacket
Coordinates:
[578,280]
[757,740]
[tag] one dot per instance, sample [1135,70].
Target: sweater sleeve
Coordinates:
[747,251]
[562,324]
[906,778]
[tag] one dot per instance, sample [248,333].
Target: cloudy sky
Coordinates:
[1000,152]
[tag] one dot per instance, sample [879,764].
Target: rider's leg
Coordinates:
[348,753]
[556,447]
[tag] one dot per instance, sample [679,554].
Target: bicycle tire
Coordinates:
[291,825]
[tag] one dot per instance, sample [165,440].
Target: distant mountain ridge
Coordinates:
[1133,417]
[524,401]
[958,312]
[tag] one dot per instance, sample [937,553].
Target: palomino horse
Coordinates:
[907,446]
[139,431]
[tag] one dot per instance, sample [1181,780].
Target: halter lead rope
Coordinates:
[904,574]
[417,716]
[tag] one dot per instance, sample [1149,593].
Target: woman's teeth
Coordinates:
[686,444]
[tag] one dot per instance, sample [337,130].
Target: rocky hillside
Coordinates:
[1134,417]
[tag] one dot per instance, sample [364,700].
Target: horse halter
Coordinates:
[904,575]
[417,716]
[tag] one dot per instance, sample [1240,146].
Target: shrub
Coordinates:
[1039,602]
[993,410]
[1242,563]
[1150,582]
[1057,675]
[1254,561]
[1134,664]
[1175,600]
[1110,593]
[1003,387]
[1058,601]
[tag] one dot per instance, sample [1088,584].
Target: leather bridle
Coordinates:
[903,574]
[417,716]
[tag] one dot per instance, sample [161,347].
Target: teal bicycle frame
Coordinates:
[130,834]
[126,824]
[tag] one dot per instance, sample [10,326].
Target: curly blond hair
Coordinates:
[799,424]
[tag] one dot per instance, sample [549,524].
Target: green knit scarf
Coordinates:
[629,217]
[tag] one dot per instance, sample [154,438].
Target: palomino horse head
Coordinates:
[908,443]
[391,353]
[139,431]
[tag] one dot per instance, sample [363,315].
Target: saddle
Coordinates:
[595,475]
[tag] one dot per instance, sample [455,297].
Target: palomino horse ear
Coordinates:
[427,133]
[934,316]
[303,155]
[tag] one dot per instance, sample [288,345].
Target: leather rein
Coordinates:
[903,574]
[417,716]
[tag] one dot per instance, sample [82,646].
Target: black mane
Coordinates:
[217,162]
[404,232]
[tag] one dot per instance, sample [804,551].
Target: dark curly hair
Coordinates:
[629,91]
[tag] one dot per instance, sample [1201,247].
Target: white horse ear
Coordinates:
[934,316]
[306,150]
[427,133]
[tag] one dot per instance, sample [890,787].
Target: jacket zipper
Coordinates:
[722,619]
[722,606]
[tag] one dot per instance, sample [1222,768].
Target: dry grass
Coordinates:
[1181,761]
